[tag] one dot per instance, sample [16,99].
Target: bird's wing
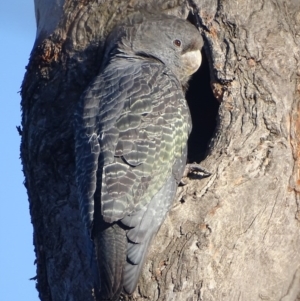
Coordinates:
[151,130]
[95,116]
[131,126]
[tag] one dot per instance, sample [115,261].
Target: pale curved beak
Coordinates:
[191,61]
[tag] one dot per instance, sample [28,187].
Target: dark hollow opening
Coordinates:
[204,111]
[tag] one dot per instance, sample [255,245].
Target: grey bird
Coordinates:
[131,129]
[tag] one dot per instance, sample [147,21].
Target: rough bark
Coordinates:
[232,236]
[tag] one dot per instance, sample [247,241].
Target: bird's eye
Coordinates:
[177,43]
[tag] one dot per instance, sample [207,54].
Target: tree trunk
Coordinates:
[231,236]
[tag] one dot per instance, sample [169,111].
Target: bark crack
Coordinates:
[273,209]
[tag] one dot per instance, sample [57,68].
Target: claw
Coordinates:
[197,170]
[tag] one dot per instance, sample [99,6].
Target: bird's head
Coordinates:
[173,41]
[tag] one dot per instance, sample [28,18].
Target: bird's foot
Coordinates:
[197,171]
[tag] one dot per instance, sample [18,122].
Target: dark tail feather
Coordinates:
[110,245]
[144,225]
[133,268]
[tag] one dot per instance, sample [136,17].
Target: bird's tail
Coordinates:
[110,244]
[142,227]
[132,269]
